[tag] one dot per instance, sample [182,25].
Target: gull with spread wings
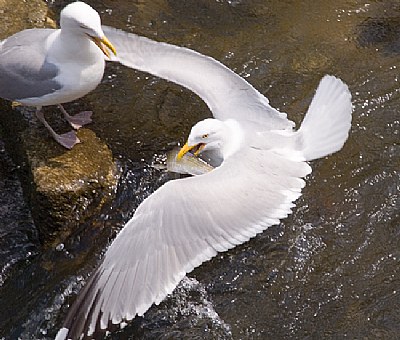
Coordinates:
[189,220]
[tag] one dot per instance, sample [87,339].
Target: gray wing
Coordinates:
[24,71]
[226,94]
[181,225]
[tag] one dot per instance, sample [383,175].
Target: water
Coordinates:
[18,237]
[330,270]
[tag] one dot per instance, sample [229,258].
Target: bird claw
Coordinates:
[67,140]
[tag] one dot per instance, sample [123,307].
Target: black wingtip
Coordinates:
[76,321]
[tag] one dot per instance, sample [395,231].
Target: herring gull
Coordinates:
[40,67]
[188,221]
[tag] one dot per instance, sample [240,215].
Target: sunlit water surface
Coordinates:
[330,270]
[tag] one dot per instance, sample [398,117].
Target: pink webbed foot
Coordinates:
[80,119]
[67,140]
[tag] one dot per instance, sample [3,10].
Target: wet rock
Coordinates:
[18,236]
[71,186]
[62,187]
[313,60]
[381,33]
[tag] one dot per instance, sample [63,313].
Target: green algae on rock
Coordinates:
[72,186]
[17,15]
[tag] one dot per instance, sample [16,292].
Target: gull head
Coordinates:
[208,134]
[81,18]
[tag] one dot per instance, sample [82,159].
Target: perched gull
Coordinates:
[40,67]
[188,221]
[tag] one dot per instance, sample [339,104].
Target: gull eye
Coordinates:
[205,136]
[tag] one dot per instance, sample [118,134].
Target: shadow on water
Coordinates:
[331,269]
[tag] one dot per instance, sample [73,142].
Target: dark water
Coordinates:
[331,270]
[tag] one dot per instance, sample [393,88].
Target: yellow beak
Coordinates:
[186,148]
[103,43]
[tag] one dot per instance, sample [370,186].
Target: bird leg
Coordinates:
[78,120]
[67,140]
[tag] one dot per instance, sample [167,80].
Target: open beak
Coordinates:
[186,148]
[105,45]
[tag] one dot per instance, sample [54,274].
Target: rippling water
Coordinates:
[331,270]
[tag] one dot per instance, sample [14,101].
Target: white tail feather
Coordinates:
[326,125]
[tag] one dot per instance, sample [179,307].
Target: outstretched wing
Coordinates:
[181,225]
[226,94]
